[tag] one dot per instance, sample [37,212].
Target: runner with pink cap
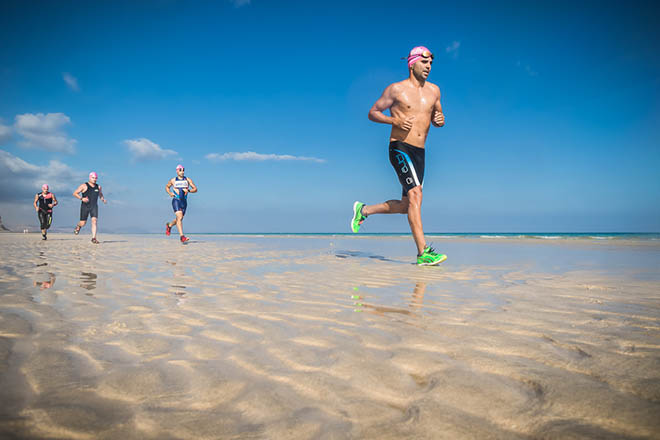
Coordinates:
[43,204]
[414,104]
[178,188]
[89,193]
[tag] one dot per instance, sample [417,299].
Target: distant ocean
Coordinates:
[473,235]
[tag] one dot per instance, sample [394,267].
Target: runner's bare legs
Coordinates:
[411,205]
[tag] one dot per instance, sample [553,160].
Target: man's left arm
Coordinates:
[193,188]
[101,195]
[54,201]
[438,118]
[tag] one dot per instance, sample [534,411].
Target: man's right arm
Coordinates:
[384,102]
[77,192]
[36,197]
[167,188]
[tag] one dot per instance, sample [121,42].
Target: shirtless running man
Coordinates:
[181,185]
[414,105]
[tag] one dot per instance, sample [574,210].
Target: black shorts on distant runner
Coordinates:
[86,211]
[408,162]
[45,218]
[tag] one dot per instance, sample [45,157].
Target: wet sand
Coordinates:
[324,337]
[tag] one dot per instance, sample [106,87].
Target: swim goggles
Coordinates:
[424,54]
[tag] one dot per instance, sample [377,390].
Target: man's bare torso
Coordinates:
[417,102]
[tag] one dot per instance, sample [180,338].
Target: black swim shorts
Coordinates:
[88,210]
[408,162]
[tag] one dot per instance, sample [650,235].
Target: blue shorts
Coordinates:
[179,205]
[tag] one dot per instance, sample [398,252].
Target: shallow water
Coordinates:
[327,337]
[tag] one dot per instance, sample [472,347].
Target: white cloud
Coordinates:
[239,3]
[527,69]
[252,156]
[44,131]
[5,133]
[25,179]
[452,49]
[143,150]
[71,81]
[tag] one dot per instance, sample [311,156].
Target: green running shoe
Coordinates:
[430,258]
[358,218]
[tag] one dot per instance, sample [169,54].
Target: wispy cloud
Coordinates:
[526,67]
[44,131]
[26,178]
[71,81]
[452,49]
[5,133]
[145,150]
[239,3]
[258,157]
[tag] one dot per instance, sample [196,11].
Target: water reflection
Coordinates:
[415,305]
[177,286]
[43,257]
[46,284]
[88,280]
[417,299]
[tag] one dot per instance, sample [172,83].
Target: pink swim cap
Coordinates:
[417,53]
[93,175]
[180,167]
[44,187]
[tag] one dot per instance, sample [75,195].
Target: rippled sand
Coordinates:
[141,337]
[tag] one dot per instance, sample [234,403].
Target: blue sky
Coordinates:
[552,112]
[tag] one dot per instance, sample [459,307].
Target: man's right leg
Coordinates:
[84,214]
[169,225]
[361,211]
[389,207]
[80,224]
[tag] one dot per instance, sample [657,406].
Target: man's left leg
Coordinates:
[415,218]
[179,221]
[94,220]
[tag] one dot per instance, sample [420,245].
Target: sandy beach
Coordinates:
[324,337]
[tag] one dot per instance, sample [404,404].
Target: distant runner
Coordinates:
[43,204]
[181,186]
[89,193]
[414,105]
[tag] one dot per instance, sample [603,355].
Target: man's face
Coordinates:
[422,68]
[180,172]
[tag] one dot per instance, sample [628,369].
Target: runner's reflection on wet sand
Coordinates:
[177,286]
[46,284]
[88,280]
[415,305]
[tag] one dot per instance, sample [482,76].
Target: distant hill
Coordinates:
[2,227]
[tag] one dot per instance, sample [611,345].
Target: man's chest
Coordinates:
[415,101]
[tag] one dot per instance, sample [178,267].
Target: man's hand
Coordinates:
[85,200]
[439,119]
[404,124]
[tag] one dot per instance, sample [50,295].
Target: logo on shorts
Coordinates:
[404,168]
